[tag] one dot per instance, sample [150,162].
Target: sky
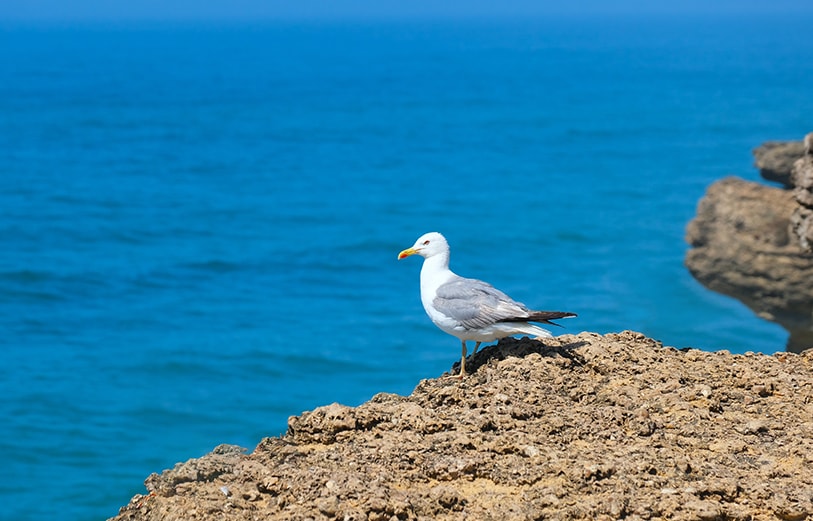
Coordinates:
[253,10]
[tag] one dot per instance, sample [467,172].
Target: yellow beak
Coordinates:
[406,253]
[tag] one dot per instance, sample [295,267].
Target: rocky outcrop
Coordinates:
[802,178]
[580,427]
[748,241]
[775,160]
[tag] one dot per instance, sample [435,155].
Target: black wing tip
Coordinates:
[543,317]
[548,317]
[551,315]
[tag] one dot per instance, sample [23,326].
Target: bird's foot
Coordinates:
[458,376]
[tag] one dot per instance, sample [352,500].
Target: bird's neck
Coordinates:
[435,271]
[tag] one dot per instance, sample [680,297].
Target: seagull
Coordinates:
[471,309]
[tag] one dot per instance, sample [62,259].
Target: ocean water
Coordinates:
[200,223]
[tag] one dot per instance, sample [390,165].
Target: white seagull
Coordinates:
[471,309]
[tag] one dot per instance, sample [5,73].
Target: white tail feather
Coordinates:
[524,328]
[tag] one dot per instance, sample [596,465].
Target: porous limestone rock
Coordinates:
[802,178]
[752,241]
[578,427]
[775,160]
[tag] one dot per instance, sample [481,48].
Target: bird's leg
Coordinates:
[475,348]
[463,359]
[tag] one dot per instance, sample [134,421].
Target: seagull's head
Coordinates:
[427,245]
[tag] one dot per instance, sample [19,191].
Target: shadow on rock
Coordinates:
[521,348]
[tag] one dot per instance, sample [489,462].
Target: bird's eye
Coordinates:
[425,243]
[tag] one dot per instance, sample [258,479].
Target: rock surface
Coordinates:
[752,242]
[790,163]
[775,160]
[802,178]
[580,427]
[741,246]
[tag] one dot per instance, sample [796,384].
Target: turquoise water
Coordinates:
[200,224]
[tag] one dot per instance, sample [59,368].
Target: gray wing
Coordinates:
[476,304]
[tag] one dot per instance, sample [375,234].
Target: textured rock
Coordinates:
[755,243]
[790,163]
[580,427]
[775,160]
[801,222]
[802,178]
[742,246]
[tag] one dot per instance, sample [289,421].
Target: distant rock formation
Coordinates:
[775,160]
[753,242]
[802,178]
[580,427]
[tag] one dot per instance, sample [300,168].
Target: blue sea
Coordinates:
[199,223]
